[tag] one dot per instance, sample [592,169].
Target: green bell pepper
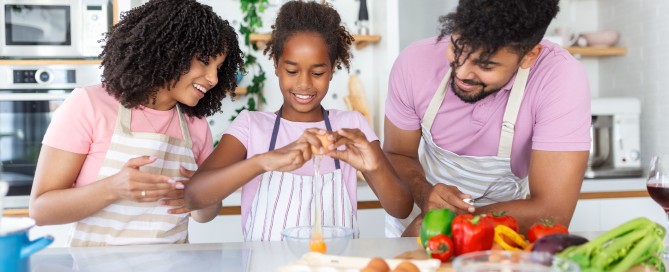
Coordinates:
[436,221]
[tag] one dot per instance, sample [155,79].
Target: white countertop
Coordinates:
[365,193]
[251,256]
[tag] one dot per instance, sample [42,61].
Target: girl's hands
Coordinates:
[132,184]
[292,156]
[358,153]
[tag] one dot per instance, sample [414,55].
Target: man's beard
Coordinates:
[469,98]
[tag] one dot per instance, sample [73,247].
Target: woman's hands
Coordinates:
[132,184]
[175,198]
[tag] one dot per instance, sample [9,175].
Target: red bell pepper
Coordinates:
[500,218]
[472,233]
[440,247]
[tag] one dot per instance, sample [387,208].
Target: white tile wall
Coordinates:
[643,72]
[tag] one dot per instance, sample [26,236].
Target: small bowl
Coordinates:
[519,261]
[601,38]
[335,238]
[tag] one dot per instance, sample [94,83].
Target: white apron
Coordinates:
[285,200]
[127,222]
[471,174]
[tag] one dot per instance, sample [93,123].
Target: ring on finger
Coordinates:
[143,194]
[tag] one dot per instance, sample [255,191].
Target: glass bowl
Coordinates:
[335,238]
[520,261]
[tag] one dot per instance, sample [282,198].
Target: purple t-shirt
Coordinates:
[254,131]
[554,114]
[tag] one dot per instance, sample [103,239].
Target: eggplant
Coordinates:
[556,243]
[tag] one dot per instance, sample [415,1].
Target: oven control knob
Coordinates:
[43,76]
[635,155]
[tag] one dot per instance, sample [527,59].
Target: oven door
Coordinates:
[41,28]
[24,117]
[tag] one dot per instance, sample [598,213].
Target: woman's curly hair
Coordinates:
[153,45]
[297,16]
[490,25]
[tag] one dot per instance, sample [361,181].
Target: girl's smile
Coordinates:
[303,98]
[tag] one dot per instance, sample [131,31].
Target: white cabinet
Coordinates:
[371,223]
[605,214]
[60,233]
[223,229]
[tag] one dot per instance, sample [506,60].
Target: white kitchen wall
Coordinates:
[579,16]
[420,19]
[643,72]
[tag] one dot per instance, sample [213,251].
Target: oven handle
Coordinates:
[33,96]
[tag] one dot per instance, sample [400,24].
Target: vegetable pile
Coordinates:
[444,235]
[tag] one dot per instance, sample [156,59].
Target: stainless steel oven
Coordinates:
[28,97]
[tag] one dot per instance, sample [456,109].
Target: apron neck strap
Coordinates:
[277,123]
[511,113]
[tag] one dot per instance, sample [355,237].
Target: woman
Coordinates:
[116,155]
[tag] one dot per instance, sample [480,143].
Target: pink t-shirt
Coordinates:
[554,114]
[254,131]
[84,124]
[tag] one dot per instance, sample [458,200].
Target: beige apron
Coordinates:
[127,222]
[285,200]
[471,174]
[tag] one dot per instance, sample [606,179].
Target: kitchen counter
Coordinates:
[250,256]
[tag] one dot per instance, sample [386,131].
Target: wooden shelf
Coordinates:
[360,41]
[48,61]
[597,51]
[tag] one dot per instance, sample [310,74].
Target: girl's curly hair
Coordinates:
[490,25]
[153,45]
[297,16]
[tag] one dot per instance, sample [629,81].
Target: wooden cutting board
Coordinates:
[420,254]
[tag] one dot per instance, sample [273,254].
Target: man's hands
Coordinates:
[442,196]
[439,196]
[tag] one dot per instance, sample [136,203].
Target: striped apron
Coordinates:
[128,222]
[473,175]
[285,200]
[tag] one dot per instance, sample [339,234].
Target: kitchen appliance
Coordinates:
[615,147]
[53,28]
[28,97]
[363,18]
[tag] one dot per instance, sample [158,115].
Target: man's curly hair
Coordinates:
[490,25]
[153,45]
[297,16]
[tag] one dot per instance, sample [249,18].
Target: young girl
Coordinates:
[268,153]
[115,156]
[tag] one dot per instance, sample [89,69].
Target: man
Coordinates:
[489,112]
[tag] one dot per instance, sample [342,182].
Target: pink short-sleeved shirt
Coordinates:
[84,124]
[554,114]
[254,131]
